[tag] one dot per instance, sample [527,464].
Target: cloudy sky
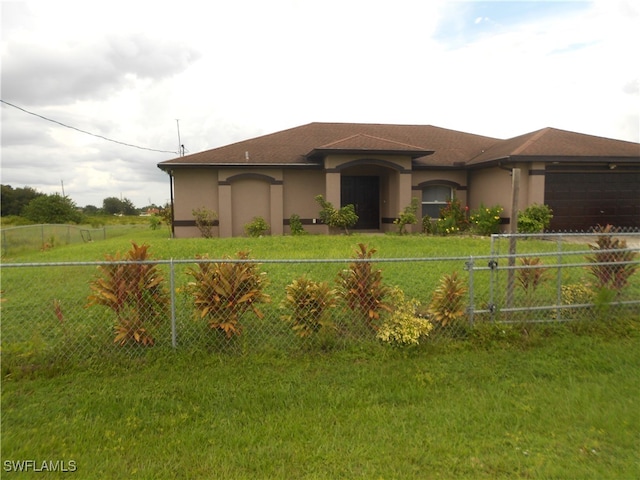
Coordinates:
[230,70]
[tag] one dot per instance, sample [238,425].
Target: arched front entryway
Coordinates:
[375,189]
[363,192]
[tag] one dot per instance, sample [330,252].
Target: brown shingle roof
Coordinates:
[301,146]
[293,145]
[364,143]
[558,143]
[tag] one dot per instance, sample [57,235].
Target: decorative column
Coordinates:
[225,218]
[404,192]
[276,208]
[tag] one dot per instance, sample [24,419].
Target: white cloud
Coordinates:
[231,70]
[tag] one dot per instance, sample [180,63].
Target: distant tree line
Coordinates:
[38,207]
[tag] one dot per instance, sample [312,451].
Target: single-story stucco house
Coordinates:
[586,180]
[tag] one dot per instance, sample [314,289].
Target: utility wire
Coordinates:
[84,131]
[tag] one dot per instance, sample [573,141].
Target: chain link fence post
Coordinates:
[172,286]
[469,264]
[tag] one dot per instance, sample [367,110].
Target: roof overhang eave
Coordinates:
[175,166]
[513,159]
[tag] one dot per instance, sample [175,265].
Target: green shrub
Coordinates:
[429,226]
[403,326]
[344,217]
[407,217]
[309,303]
[295,225]
[576,294]
[15,221]
[155,222]
[205,219]
[453,218]
[486,221]
[256,228]
[534,219]
[52,208]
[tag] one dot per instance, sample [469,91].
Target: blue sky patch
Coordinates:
[465,22]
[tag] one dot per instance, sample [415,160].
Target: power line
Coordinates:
[84,131]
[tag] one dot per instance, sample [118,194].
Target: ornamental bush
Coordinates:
[205,219]
[295,225]
[257,228]
[453,218]
[486,221]
[135,293]
[223,291]
[307,304]
[611,262]
[534,219]
[402,326]
[407,216]
[345,217]
[447,301]
[362,288]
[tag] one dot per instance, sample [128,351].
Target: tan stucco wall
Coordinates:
[193,189]
[276,194]
[493,186]
[535,191]
[250,198]
[299,192]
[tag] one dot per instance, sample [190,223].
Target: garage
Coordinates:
[581,199]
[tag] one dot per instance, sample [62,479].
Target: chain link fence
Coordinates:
[27,238]
[92,311]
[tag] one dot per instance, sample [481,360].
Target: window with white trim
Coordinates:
[435,197]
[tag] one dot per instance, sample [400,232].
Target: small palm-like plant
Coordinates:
[309,303]
[362,288]
[531,276]
[611,259]
[134,291]
[447,305]
[223,291]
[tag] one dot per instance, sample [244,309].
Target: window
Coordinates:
[434,197]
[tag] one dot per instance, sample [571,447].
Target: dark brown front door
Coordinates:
[364,194]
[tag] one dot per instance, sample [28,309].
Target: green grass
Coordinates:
[30,328]
[552,401]
[567,409]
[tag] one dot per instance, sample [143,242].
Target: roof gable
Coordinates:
[553,142]
[364,143]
